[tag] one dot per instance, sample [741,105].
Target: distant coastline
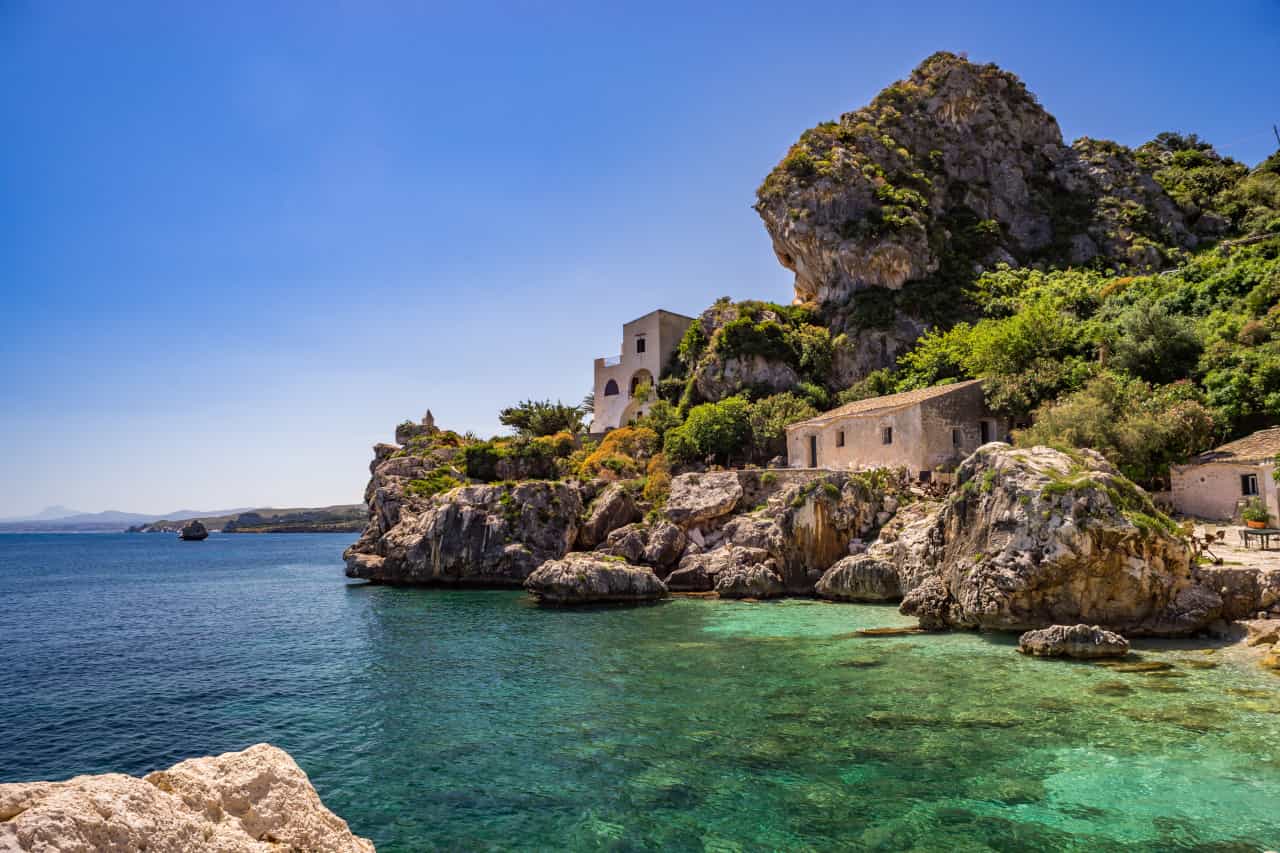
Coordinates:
[340,518]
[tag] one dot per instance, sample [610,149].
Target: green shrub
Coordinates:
[718,431]
[769,419]
[1256,511]
[481,460]
[1140,429]
[439,480]
[532,418]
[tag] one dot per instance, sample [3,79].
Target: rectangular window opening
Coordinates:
[840,439]
[985,428]
[957,438]
[639,345]
[886,435]
[1248,484]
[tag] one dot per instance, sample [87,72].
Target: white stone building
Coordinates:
[1217,483]
[647,345]
[921,431]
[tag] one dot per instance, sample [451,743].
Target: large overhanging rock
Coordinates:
[254,801]
[590,579]
[493,535]
[956,166]
[1034,537]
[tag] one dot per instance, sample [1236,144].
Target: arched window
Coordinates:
[611,388]
[641,377]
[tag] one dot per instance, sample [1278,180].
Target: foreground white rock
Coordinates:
[254,800]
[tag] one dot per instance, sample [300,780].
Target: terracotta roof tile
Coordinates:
[1262,446]
[889,402]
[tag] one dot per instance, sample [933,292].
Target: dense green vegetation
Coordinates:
[788,335]
[1148,369]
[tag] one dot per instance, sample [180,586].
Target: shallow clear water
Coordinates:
[433,719]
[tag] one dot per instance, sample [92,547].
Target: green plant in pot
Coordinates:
[1255,513]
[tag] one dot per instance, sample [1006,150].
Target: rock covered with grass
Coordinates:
[1033,537]
[254,801]
[954,167]
[582,578]
[1073,641]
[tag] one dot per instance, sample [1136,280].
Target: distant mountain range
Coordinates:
[49,513]
[60,519]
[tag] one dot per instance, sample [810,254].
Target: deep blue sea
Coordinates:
[476,720]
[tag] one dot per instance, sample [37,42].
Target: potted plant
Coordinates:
[1255,513]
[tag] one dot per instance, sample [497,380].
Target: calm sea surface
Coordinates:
[476,720]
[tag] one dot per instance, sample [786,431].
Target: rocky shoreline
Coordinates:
[1028,539]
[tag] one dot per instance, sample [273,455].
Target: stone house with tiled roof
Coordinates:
[922,430]
[1217,483]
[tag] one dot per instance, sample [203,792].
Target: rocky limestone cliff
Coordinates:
[254,801]
[792,525]
[482,535]
[957,167]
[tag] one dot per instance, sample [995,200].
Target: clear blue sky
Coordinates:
[240,241]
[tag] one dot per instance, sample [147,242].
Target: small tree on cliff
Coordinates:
[715,431]
[533,418]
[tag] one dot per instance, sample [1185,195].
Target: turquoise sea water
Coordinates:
[476,720]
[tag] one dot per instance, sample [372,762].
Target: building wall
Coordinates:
[661,332]
[1213,490]
[965,410]
[864,446]
[922,435]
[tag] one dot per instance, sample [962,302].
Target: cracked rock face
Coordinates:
[699,498]
[956,167]
[1033,537]
[254,801]
[490,535]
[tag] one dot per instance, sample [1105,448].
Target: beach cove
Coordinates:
[434,718]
